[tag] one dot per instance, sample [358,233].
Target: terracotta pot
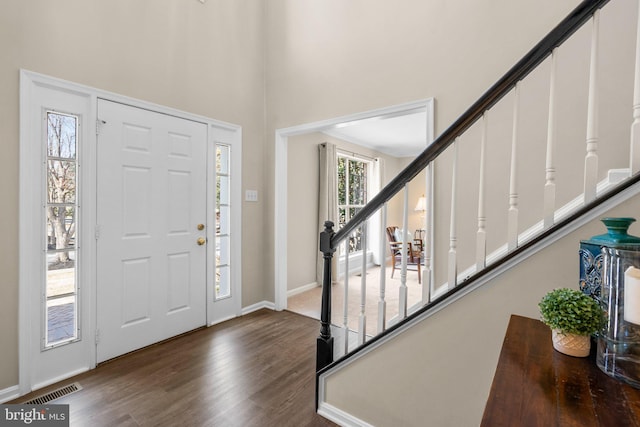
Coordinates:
[571,344]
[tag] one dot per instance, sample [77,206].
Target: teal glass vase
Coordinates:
[590,252]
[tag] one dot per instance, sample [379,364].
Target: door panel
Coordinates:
[152,186]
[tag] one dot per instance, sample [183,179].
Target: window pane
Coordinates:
[353,212]
[357,183]
[222,159]
[222,190]
[61,135]
[342,184]
[222,221]
[223,289]
[61,181]
[222,250]
[61,274]
[61,320]
[355,240]
[342,220]
[61,229]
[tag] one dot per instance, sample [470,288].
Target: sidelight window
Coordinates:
[61,213]
[223,222]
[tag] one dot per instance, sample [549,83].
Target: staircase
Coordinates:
[511,188]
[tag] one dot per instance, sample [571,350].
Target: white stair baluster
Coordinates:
[591,159]
[550,170]
[363,287]
[453,262]
[635,127]
[426,243]
[345,311]
[382,304]
[512,216]
[481,235]
[402,310]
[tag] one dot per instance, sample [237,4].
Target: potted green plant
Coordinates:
[573,317]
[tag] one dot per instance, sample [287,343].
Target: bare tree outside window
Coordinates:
[61,184]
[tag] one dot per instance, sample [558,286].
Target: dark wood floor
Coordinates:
[257,370]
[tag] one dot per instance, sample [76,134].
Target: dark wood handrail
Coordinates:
[528,63]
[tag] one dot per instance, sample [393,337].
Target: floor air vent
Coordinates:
[55,394]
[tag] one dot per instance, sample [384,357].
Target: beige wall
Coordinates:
[332,58]
[201,58]
[439,372]
[302,209]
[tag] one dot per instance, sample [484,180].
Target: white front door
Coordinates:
[151,234]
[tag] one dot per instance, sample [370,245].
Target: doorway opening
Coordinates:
[370,135]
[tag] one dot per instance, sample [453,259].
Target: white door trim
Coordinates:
[29,217]
[281,140]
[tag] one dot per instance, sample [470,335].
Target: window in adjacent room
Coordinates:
[353,179]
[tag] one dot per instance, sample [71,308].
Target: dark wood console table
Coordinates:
[534,385]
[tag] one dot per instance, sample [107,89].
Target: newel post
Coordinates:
[324,350]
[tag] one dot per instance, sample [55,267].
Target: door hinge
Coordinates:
[97,336]
[97,231]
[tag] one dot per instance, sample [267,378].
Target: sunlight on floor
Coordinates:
[308,303]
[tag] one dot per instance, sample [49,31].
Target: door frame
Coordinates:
[29,218]
[281,141]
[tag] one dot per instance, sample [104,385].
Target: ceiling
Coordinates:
[398,135]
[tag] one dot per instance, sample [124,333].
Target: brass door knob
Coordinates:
[201,241]
[200,227]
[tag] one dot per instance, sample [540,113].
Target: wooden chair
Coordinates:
[413,256]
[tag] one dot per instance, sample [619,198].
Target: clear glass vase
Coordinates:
[618,350]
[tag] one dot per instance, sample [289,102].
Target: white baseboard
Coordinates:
[340,417]
[224,319]
[355,263]
[258,306]
[57,379]
[9,393]
[301,289]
